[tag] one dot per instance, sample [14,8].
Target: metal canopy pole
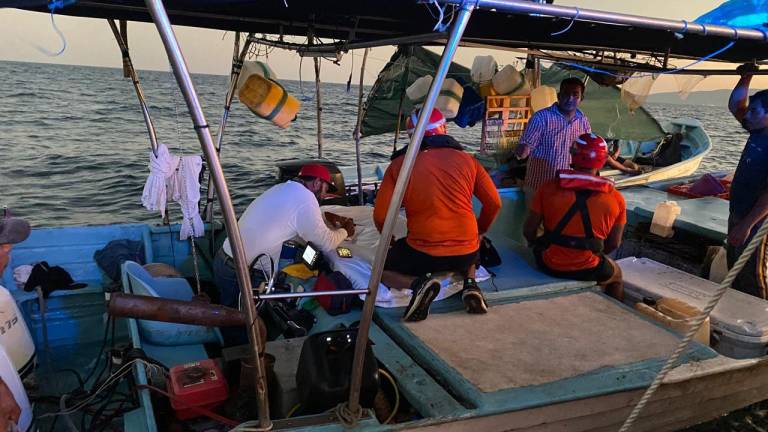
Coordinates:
[358,132]
[181,71]
[318,100]
[571,12]
[238,56]
[394,206]
[122,42]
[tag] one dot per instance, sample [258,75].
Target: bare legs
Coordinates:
[614,286]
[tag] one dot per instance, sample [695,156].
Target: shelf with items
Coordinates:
[503,124]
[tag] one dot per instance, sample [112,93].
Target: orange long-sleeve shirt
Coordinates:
[438,201]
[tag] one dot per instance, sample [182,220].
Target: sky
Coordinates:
[27,36]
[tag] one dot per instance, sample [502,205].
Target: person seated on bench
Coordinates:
[615,161]
[443,232]
[583,217]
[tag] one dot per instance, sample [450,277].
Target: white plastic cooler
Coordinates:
[739,321]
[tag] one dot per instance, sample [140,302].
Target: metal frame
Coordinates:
[571,12]
[122,42]
[358,134]
[457,30]
[181,72]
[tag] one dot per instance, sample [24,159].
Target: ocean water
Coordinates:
[75,148]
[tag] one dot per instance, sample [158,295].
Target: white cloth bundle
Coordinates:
[178,178]
[161,168]
[185,190]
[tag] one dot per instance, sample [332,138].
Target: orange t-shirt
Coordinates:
[438,201]
[606,209]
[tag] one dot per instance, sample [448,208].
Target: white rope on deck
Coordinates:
[695,324]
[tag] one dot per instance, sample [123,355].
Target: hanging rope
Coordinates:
[182,163]
[695,324]
[358,131]
[52,6]
[573,20]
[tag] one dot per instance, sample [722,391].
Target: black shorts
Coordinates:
[600,273]
[402,258]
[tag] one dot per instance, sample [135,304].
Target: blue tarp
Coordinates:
[739,13]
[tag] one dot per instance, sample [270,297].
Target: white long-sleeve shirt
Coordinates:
[281,213]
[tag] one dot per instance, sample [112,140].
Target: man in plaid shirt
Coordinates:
[549,135]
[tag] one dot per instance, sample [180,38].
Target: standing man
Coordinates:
[749,189]
[549,134]
[583,217]
[443,232]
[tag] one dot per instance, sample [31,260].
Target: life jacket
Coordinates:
[583,185]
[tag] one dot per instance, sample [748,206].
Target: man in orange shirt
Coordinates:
[583,217]
[443,232]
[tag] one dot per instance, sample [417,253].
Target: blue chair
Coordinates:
[136,280]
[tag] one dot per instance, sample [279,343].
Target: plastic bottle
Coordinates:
[664,218]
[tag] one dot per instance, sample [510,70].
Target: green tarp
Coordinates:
[407,64]
[607,114]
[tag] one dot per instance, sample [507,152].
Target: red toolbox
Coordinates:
[200,384]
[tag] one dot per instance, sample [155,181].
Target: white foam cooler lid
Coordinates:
[743,315]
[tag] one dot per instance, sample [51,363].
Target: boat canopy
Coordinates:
[381,23]
[608,115]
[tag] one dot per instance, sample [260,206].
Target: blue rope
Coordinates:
[573,20]
[641,75]
[52,6]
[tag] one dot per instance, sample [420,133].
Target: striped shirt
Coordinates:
[548,136]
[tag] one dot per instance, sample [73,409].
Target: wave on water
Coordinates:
[76,149]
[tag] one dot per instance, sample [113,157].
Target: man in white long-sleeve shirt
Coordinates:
[281,213]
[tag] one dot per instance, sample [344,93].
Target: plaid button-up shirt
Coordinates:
[548,136]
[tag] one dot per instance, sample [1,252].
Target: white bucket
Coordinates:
[510,81]
[417,91]
[254,67]
[483,69]
[447,102]
[450,98]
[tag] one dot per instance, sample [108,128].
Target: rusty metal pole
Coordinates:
[130,72]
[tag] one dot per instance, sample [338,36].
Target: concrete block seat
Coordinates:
[168,343]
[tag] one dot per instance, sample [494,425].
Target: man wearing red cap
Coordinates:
[583,217]
[443,232]
[283,212]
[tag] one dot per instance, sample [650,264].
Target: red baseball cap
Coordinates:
[318,171]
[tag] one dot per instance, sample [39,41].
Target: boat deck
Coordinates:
[535,350]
